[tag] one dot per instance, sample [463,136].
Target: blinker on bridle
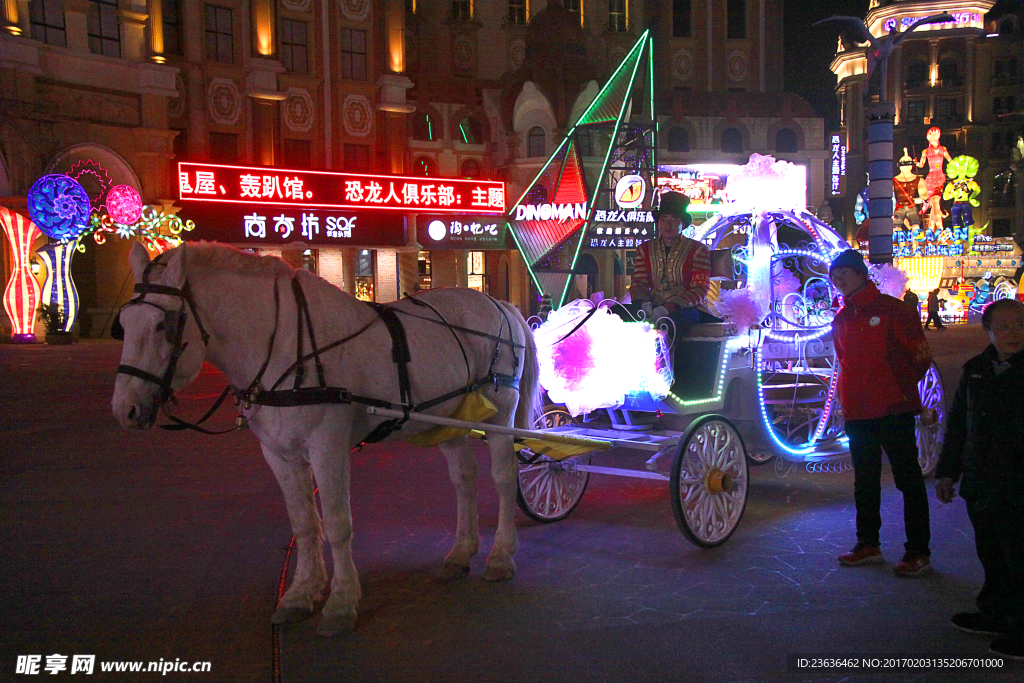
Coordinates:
[174,330]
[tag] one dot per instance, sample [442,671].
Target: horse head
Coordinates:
[164,341]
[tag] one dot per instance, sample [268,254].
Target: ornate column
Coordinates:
[21,297]
[880,208]
[59,288]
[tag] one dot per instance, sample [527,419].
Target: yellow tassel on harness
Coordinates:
[474,407]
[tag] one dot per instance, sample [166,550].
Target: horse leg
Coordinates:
[295,479]
[462,468]
[500,565]
[331,467]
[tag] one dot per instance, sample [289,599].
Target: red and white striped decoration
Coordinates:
[21,297]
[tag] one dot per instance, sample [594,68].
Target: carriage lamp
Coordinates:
[21,297]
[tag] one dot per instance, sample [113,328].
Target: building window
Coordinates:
[1002,227]
[1004,190]
[47,20]
[470,168]
[949,72]
[224,148]
[311,260]
[535,142]
[171,18]
[678,139]
[517,12]
[298,153]
[423,270]
[732,140]
[471,131]
[584,143]
[410,6]
[476,277]
[357,157]
[364,275]
[617,16]
[423,167]
[294,46]
[574,7]
[423,127]
[104,28]
[785,140]
[915,111]
[220,42]
[1004,72]
[462,9]
[946,109]
[353,54]
[1007,27]
[681,27]
[736,19]
[917,73]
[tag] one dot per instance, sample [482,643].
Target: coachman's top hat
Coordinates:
[674,204]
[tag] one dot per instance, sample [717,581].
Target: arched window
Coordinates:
[678,139]
[470,131]
[535,143]
[1007,27]
[423,167]
[949,71]
[785,140]
[917,73]
[732,140]
[585,143]
[423,127]
[470,168]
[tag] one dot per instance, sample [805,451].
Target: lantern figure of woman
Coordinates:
[936,178]
[21,297]
[59,288]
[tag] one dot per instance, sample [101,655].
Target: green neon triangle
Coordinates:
[608,103]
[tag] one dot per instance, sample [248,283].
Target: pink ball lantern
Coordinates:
[124,204]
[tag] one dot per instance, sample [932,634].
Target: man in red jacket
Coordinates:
[883,354]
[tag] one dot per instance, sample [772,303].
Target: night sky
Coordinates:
[810,51]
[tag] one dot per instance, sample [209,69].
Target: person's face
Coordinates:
[1007,331]
[848,280]
[668,227]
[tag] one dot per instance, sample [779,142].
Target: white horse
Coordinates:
[233,295]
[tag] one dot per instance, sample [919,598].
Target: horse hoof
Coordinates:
[337,624]
[499,573]
[290,615]
[453,572]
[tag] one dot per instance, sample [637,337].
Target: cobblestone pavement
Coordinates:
[169,545]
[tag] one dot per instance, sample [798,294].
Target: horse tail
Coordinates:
[528,411]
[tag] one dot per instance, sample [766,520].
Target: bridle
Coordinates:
[174,330]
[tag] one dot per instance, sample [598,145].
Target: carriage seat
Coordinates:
[722,264]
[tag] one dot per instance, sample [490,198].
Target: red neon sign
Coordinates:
[327,189]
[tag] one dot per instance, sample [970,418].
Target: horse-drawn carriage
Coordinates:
[739,397]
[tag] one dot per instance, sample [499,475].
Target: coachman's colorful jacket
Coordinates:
[678,277]
[883,354]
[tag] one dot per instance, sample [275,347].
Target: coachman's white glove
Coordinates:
[659,312]
[646,308]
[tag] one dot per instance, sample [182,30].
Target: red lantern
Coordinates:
[22,294]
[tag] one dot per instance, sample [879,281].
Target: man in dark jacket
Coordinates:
[984,450]
[882,356]
[933,310]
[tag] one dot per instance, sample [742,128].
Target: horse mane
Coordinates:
[222,257]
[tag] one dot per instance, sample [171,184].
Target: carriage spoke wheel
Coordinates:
[931,421]
[709,482]
[550,490]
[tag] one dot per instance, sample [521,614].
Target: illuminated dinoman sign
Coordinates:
[551,212]
[838,172]
[281,225]
[258,186]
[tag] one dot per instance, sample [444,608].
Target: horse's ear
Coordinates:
[138,259]
[174,274]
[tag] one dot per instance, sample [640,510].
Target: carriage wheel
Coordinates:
[756,458]
[550,490]
[932,420]
[709,482]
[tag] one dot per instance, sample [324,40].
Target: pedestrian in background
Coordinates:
[984,451]
[883,354]
[933,310]
[912,299]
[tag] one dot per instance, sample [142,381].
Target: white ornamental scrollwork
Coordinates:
[736,65]
[223,101]
[177,107]
[463,52]
[516,53]
[298,110]
[355,10]
[357,116]
[296,5]
[682,64]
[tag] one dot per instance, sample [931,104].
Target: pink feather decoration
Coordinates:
[741,308]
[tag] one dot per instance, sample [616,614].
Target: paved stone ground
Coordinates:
[169,545]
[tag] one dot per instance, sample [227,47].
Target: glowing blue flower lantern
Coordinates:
[60,206]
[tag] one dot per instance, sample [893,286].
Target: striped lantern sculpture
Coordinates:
[21,297]
[59,288]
